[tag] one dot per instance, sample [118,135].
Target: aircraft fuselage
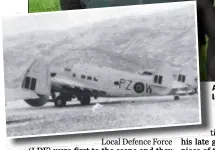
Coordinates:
[112,82]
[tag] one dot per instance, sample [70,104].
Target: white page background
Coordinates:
[11,7]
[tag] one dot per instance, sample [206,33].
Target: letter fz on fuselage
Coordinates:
[136,86]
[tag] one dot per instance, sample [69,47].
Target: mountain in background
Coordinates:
[131,43]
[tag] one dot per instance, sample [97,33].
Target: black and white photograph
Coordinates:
[101,69]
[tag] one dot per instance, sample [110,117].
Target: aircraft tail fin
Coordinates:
[163,80]
[186,76]
[37,78]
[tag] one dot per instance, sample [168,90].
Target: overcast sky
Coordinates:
[13,25]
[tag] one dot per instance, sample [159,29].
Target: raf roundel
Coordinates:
[139,87]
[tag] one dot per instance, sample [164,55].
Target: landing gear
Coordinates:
[64,96]
[176,97]
[60,101]
[85,100]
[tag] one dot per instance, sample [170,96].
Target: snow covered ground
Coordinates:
[131,42]
[102,114]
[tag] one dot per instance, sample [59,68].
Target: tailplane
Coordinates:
[187,77]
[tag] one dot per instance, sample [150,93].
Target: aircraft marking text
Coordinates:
[127,83]
[140,87]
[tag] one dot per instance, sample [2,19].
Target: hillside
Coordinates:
[131,43]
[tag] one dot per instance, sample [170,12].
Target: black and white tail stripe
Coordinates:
[158,79]
[181,78]
[29,83]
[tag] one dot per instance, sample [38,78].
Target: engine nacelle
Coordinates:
[42,100]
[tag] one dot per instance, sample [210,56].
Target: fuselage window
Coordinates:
[89,78]
[83,76]
[74,75]
[94,79]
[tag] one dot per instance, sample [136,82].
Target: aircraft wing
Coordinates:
[179,85]
[182,88]
[63,82]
